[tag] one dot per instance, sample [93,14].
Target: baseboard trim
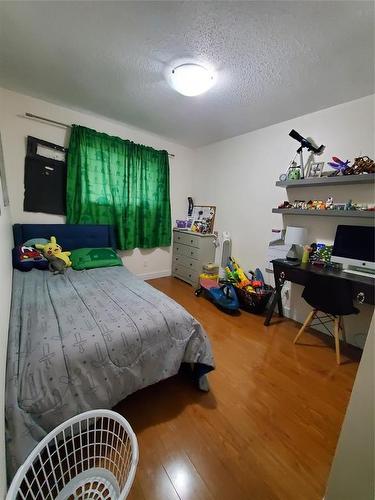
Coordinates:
[156,274]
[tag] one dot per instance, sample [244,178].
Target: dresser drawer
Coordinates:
[185,274]
[186,239]
[186,251]
[192,264]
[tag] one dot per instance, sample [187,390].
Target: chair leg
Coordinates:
[306,323]
[337,338]
[342,328]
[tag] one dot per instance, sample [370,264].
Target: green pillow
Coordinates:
[90,258]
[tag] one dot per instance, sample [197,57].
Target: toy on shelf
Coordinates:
[285,204]
[294,172]
[310,146]
[329,203]
[298,203]
[361,165]
[338,165]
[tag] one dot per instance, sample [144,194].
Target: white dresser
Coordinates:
[190,252]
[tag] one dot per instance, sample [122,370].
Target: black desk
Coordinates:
[363,287]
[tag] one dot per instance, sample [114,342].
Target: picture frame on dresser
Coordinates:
[203,218]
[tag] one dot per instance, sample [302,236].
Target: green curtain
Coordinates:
[113,181]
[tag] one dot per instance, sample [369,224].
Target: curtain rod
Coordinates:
[61,124]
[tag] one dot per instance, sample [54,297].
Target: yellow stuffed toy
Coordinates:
[53,249]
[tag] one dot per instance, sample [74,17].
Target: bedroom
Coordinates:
[278,66]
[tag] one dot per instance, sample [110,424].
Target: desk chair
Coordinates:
[332,297]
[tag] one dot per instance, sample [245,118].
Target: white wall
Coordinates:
[238,176]
[16,128]
[5,293]
[352,472]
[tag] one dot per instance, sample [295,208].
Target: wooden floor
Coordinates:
[267,429]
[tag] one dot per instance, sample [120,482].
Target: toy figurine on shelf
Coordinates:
[329,203]
[298,203]
[349,205]
[285,204]
[361,165]
[316,205]
[308,144]
[294,172]
[338,165]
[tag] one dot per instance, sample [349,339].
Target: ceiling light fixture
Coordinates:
[191,79]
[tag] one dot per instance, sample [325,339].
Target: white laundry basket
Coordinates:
[93,455]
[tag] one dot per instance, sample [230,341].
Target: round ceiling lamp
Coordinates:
[191,79]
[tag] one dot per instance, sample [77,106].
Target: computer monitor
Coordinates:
[354,247]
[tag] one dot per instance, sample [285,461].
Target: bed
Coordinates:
[87,339]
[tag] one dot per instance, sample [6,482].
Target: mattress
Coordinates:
[86,340]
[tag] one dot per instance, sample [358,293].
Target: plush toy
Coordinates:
[56,265]
[26,258]
[52,249]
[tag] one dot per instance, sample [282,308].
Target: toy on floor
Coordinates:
[53,251]
[236,275]
[253,294]
[223,296]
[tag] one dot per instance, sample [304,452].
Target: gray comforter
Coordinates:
[86,340]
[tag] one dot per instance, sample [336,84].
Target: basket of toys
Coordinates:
[253,294]
[254,301]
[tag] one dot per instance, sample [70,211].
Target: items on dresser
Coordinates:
[203,218]
[191,251]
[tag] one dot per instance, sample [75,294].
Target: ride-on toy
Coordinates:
[223,295]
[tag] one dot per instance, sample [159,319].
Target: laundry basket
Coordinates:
[93,455]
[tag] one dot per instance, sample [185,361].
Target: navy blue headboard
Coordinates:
[69,236]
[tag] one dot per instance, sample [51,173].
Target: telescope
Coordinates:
[306,143]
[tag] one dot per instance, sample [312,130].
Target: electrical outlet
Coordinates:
[285,295]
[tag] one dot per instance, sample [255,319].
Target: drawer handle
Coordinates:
[191,253]
[178,237]
[361,297]
[191,241]
[176,258]
[189,275]
[282,275]
[191,263]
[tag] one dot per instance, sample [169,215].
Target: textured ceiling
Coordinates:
[275,60]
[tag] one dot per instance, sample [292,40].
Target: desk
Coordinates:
[363,287]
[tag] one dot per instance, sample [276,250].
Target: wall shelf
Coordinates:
[328,181]
[363,214]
